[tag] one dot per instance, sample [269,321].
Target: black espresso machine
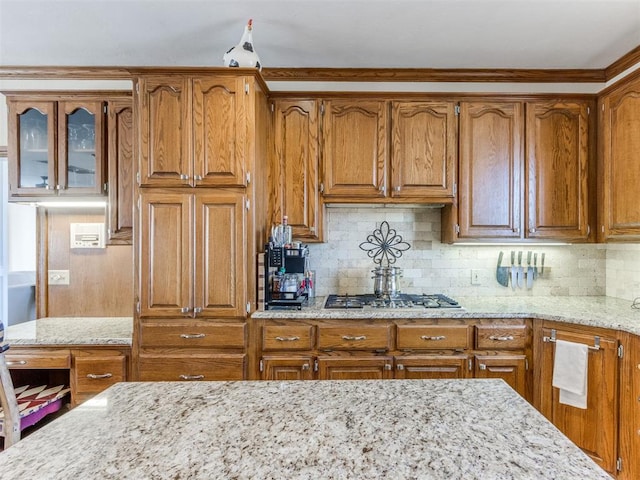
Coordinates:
[285,280]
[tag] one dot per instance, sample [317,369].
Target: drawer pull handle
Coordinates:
[11,363]
[400,366]
[97,376]
[305,367]
[192,335]
[501,339]
[427,337]
[287,339]
[191,377]
[354,338]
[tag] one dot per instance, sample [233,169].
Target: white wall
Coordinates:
[21,237]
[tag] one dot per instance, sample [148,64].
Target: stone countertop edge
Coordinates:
[592,311]
[70,331]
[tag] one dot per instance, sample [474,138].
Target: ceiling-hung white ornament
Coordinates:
[243,54]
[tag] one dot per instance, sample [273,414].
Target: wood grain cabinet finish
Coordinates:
[121,171]
[593,429]
[502,337]
[57,143]
[28,358]
[433,337]
[192,253]
[491,176]
[281,368]
[629,424]
[354,148]
[360,337]
[193,334]
[95,370]
[191,366]
[193,130]
[423,367]
[511,368]
[619,214]
[295,168]
[350,368]
[287,337]
[558,170]
[423,150]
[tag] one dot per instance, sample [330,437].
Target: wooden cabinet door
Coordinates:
[354,139]
[423,149]
[80,148]
[121,171]
[557,169]
[593,429]
[219,131]
[220,259]
[32,149]
[274,367]
[355,368]
[421,367]
[511,368]
[295,168]
[166,254]
[164,134]
[491,151]
[620,208]
[629,434]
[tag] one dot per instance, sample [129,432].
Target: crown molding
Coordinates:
[64,73]
[4,152]
[626,61]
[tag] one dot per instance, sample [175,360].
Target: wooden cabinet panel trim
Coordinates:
[287,337]
[501,337]
[191,366]
[192,334]
[362,337]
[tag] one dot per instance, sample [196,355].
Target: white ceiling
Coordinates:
[580,34]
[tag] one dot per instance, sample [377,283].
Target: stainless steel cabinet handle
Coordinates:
[383,188]
[197,177]
[184,177]
[192,335]
[387,366]
[197,310]
[501,339]
[19,362]
[427,337]
[351,337]
[191,377]
[185,309]
[397,188]
[97,376]
[287,339]
[532,230]
[482,366]
[305,366]
[400,367]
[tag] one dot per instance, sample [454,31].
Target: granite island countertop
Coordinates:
[399,429]
[594,311]
[63,331]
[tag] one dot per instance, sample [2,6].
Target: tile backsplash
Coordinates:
[430,266]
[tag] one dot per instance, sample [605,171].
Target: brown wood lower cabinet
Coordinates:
[511,368]
[275,367]
[629,423]
[191,366]
[421,367]
[593,429]
[95,370]
[355,368]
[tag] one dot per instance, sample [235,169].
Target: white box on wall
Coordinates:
[86,235]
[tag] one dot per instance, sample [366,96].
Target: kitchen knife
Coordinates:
[513,270]
[502,273]
[529,271]
[520,270]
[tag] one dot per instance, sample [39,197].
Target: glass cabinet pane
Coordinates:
[34,149]
[81,149]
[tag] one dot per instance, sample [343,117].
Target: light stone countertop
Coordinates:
[396,429]
[59,331]
[605,312]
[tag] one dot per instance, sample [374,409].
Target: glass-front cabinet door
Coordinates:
[80,148]
[32,144]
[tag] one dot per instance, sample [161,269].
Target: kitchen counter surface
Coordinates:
[605,312]
[409,429]
[72,331]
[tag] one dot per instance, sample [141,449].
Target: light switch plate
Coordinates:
[475,277]
[58,277]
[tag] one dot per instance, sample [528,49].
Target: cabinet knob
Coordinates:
[185,310]
[197,177]
[184,177]
[383,188]
[400,366]
[191,377]
[482,366]
[532,230]
[305,367]
[516,230]
[397,188]
[387,366]
[197,310]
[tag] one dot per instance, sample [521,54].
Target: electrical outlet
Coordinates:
[58,277]
[475,277]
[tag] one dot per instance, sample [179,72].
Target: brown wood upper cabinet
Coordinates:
[294,169]
[619,163]
[526,172]
[193,130]
[56,144]
[192,253]
[359,166]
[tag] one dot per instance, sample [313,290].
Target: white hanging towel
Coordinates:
[570,373]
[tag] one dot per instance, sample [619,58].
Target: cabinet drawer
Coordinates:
[501,337]
[433,337]
[287,337]
[363,337]
[192,366]
[193,334]
[93,374]
[39,359]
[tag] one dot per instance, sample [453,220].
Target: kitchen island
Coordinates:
[401,429]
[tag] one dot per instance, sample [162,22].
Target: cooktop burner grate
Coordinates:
[402,300]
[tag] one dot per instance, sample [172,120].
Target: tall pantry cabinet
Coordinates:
[201,143]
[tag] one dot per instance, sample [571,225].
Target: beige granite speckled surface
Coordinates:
[72,331]
[397,429]
[606,312]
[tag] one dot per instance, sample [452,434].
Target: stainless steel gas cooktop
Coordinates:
[402,300]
